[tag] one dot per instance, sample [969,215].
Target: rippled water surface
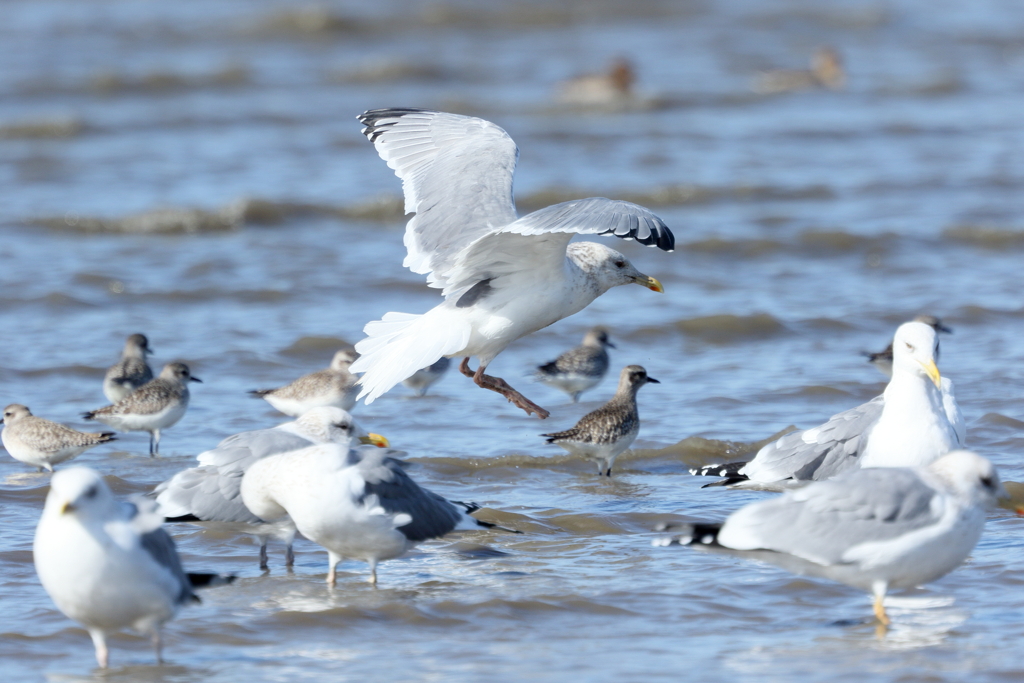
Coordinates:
[194,171]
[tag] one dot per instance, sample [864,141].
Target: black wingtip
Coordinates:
[205,580]
[89,415]
[183,518]
[371,119]
[259,393]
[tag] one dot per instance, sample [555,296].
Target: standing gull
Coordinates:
[580,368]
[874,528]
[44,443]
[603,434]
[355,503]
[906,426]
[502,276]
[108,565]
[212,491]
[421,380]
[333,386]
[156,405]
[131,372]
[883,361]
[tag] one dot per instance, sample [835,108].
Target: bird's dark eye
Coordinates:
[910,347]
[342,425]
[90,492]
[988,482]
[620,264]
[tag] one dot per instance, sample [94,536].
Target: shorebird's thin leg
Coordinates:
[289,556]
[158,646]
[502,387]
[263,555]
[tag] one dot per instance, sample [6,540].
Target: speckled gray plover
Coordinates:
[603,434]
[422,379]
[156,405]
[333,386]
[131,372]
[356,503]
[43,443]
[211,493]
[580,368]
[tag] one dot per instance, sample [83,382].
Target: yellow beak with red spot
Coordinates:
[932,371]
[650,283]
[375,440]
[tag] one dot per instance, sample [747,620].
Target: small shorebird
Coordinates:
[580,368]
[333,386]
[107,564]
[826,72]
[606,432]
[131,372]
[156,405]
[422,379]
[44,443]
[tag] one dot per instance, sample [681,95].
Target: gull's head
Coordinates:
[608,267]
[342,359]
[915,349]
[79,491]
[334,425]
[13,413]
[138,344]
[178,372]
[971,477]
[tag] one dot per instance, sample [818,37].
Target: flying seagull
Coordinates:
[502,276]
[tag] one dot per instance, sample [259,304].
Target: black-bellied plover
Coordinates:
[211,492]
[333,386]
[131,372]
[356,503]
[422,379]
[44,443]
[907,426]
[874,528]
[157,404]
[603,434]
[580,368]
[107,564]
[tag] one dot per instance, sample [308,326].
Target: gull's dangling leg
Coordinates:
[373,573]
[158,646]
[502,387]
[332,574]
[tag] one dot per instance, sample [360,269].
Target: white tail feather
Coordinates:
[401,343]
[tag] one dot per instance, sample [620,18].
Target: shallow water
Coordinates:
[194,171]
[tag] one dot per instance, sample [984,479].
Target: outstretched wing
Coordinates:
[456,173]
[817,453]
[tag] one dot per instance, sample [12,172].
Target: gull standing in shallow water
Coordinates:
[874,528]
[906,426]
[44,443]
[883,361]
[333,386]
[605,433]
[108,565]
[502,276]
[580,368]
[355,503]
[212,491]
[156,405]
[131,372]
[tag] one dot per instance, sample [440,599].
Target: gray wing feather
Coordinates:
[823,521]
[818,453]
[241,450]
[209,493]
[456,174]
[598,216]
[432,515]
[160,546]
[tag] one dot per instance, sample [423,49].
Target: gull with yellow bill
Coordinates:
[907,426]
[502,277]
